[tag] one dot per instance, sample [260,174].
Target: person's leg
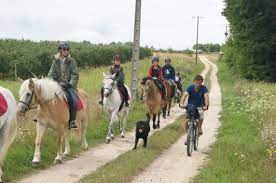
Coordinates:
[201,117]
[186,120]
[102,96]
[73,108]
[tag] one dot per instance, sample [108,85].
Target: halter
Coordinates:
[110,89]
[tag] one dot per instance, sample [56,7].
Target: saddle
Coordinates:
[3,105]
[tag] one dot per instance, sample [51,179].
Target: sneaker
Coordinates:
[73,124]
[200,132]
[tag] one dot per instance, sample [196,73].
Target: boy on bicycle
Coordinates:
[198,96]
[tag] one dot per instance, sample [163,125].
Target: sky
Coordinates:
[164,23]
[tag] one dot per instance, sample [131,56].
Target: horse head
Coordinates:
[109,84]
[26,96]
[147,85]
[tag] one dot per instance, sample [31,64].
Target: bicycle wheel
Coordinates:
[190,140]
[196,137]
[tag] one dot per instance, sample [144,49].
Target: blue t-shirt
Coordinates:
[196,98]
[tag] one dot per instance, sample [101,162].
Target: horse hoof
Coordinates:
[154,126]
[158,126]
[35,163]
[58,161]
[107,141]
[168,114]
[122,136]
[112,138]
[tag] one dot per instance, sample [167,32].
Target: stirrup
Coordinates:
[73,124]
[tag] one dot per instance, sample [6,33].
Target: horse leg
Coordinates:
[84,143]
[119,122]
[67,145]
[158,120]
[40,130]
[164,110]
[110,128]
[60,138]
[7,135]
[169,107]
[154,119]
[125,114]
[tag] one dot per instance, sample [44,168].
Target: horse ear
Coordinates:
[20,80]
[104,75]
[31,84]
[113,76]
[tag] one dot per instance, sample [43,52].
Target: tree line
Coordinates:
[251,46]
[37,57]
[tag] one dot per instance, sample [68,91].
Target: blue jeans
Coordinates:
[72,98]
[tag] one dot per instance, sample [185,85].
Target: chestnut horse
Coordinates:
[152,98]
[169,96]
[52,111]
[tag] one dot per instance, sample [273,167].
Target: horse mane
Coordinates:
[145,79]
[48,89]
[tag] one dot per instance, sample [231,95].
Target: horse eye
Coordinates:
[28,94]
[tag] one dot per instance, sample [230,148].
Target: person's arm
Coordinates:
[74,75]
[183,99]
[160,76]
[52,74]
[206,98]
[173,74]
[150,71]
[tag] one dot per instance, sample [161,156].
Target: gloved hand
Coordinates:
[68,85]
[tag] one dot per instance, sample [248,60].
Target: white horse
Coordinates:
[8,124]
[111,102]
[52,112]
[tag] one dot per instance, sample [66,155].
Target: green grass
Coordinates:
[240,153]
[20,154]
[129,164]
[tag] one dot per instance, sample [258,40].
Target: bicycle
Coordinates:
[192,134]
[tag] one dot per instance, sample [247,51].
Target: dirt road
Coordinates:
[174,165]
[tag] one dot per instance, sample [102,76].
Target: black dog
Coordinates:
[142,131]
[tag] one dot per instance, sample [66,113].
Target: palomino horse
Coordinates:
[112,102]
[152,99]
[169,96]
[52,111]
[8,122]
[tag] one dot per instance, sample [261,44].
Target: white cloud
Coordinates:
[165,23]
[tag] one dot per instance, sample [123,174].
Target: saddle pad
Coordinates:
[3,105]
[80,103]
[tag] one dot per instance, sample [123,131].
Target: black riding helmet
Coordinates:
[168,60]
[154,58]
[63,44]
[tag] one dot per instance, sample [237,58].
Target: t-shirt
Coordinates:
[196,98]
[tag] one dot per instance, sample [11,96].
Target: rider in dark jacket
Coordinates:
[119,78]
[64,70]
[169,74]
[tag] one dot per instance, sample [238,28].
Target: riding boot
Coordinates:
[101,101]
[163,92]
[126,103]
[73,107]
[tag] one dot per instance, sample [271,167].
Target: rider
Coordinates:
[198,96]
[169,74]
[155,71]
[119,77]
[64,70]
[178,82]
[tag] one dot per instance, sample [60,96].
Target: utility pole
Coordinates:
[136,49]
[197,27]
[226,33]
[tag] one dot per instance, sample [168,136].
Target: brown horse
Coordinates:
[52,111]
[169,96]
[152,99]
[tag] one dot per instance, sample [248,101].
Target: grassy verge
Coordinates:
[18,160]
[242,153]
[131,163]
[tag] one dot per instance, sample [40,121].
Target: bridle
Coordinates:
[29,103]
[33,106]
[110,89]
